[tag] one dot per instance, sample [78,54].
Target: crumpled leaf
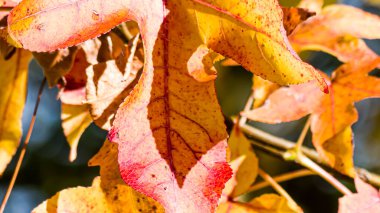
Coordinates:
[331,115]
[367,199]
[14,73]
[267,203]
[293,16]
[108,193]
[56,64]
[110,82]
[244,164]
[331,31]
[75,120]
[72,90]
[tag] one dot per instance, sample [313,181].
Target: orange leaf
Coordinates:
[332,31]
[332,115]
[36,29]
[367,199]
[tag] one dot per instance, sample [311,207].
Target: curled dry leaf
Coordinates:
[331,31]
[14,73]
[332,115]
[108,192]
[367,199]
[109,83]
[267,203]
[293,17]
[56,64]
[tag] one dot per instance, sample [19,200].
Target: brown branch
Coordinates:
[23,150]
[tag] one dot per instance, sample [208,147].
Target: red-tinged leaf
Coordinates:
[201,64]
[331,31]
[73,88]
[303,99]
[213,24]
[367,199]
[14,73]
[332,114]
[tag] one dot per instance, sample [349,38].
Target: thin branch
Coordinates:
[23,150]
[301,138]
[282,178]
[277,187]
[306,162]
[242,119]
[283,144]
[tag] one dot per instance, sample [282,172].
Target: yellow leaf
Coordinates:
[108,192]
[243,162]
[75,120]
[267,203]
[13,75]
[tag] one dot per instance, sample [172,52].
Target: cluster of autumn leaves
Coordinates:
[167,143]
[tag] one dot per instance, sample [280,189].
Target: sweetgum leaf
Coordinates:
[261,37]
[170,130]
[332,115]
[14,73]
[367,199]
[332,31]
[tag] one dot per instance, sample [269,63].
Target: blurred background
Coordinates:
[47,170]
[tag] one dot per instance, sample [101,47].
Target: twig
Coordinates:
[282,178]
[306,162]
[277,187]
[242,119]
[283,144]
[301,138]
[23,150]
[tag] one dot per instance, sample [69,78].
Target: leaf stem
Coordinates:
[306,162]
[302,136]
[282,178]
[242,119]
[23,150]
[283,144]
[277,187]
